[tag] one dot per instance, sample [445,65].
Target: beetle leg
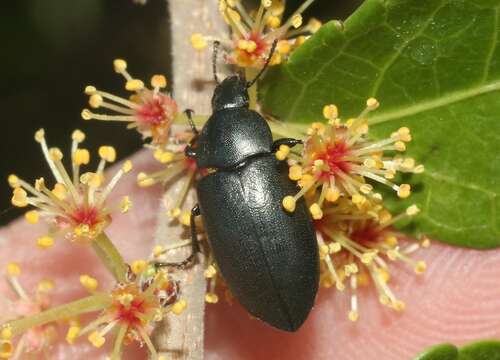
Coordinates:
[286,141]
[195,246]
[189,114]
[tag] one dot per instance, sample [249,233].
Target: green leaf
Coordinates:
[481,350]
[439,352]
[434,65]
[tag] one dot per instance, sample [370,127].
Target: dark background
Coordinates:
[52,49]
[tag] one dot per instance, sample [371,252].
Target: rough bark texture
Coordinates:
[181,337]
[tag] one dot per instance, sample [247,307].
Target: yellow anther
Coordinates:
[404,191]
[78,136]
[81,157]
[56,154]
[13,269]
[372,104]
[125,299]
[86,114]
[316,211]
[95,101]
[40,184]
[323,251]
[158,81]
[340,286]
[179,307]
[45,242]
[19,198]
[40,135]
[363,279]
[296,20]
[314,25]
[267,3]
[420,267]
[211,298]
[163,156]
[91,179]
[13,181]
[334,248]
[391,240]
[366,188]
[134,85]
[120,65]
[318,165]
[353,315]
[295,172]
[283,47]
[107,153]
[158,250]
[384,216]
[6,333]
[419,169]
[143,180]
[370,163]
[198,42]
[399,146]
[412,210]
[358,199]
[125,204]
[399,305]
[89,90]
[289,203]
[45,285]
[127,166]
[60,191]
[299,40]
[350,269]
[72,334]
[389,174]
[173,213]
[332,194]
[96,339]
[273,21]
[139,266]
[383,299]
[404,134]
[280,155]
[408,163]
[425,243]
[89,282]
[185,218]
[384,275]
[32,216]
[251,46]
[330,112]
[210,272]
[368,257]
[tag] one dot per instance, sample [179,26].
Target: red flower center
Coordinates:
[334,158]
[367,234]
[129,315]
[86,216]
[156,110]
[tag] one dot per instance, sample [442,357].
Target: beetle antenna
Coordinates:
[214,61]
[189,114]
[266,64]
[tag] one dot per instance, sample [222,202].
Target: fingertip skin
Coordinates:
[267,256]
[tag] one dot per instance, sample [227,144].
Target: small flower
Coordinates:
[76,205]
[253,33]
[339,159]
[178,167]
[356,247]
[150,111]
[37,340]
[134,308]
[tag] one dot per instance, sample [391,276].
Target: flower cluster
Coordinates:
[132,308]
[254,32]
[150,111]
[38,339]
[335,172]
[76,205]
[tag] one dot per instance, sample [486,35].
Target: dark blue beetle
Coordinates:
[267,256]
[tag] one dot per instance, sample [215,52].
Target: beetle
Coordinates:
[267,256]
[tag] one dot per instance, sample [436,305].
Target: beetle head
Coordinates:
[230,93]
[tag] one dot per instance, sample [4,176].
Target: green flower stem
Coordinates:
[110,256]
[118,345]
[88,304]
[250,73]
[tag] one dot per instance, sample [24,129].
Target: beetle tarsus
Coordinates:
[189,114]
[286,141]
[195,246]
